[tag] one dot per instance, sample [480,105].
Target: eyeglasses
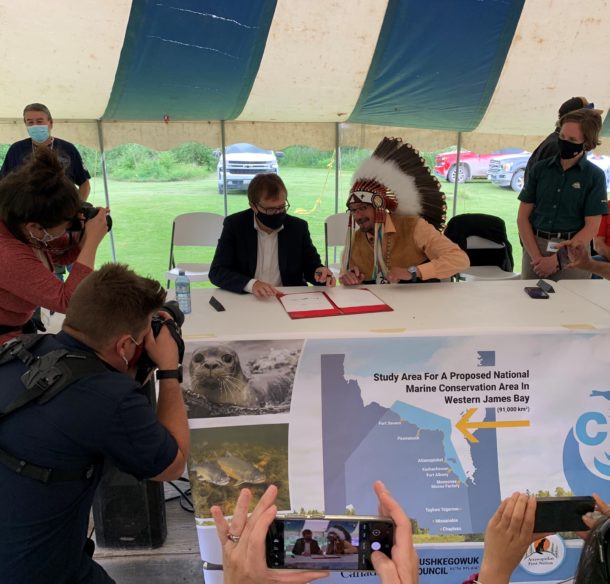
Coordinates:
[273,210]
[136,342]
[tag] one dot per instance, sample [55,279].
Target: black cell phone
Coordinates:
[535,292]
[563,259]
[327,542]
[562,513]
[217,306]
[545,286]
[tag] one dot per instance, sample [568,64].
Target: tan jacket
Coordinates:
[410,241]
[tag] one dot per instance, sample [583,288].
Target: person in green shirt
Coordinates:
[563,199]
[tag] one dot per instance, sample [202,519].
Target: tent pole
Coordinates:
[100,137]
[337,177]
[337,165]
[457,173]
[223,146]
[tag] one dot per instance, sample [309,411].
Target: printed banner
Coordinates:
[451,425]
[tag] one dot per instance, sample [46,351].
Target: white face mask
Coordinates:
[47,237]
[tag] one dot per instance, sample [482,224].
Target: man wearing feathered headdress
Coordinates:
[397,212]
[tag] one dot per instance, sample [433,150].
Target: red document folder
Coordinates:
[332,302]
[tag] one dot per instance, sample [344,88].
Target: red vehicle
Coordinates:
[472,165]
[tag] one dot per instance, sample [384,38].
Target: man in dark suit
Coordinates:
[263,247]
[306,545]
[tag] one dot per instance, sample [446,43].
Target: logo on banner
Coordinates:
[487,358]
[586,451]
[544,555]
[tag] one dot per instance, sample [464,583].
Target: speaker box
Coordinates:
[128,513]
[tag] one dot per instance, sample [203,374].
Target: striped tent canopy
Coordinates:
[281,72]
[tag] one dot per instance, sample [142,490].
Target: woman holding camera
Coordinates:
[38,205]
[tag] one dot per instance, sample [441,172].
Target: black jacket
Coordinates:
[234,262]
[548,148]
[460,227]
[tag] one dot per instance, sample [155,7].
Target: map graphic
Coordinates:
[449,488]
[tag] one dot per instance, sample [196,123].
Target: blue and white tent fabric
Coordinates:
[155,70]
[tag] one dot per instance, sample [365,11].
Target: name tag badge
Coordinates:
[552,245]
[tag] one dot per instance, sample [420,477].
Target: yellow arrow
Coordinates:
[464,424]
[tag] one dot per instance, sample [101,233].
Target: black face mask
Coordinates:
[568,150]
[271,221]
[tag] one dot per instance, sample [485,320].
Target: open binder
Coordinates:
[332,302]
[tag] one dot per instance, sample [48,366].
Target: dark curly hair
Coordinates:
[592,567]
[39,191]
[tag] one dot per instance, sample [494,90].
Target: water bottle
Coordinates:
[183,292]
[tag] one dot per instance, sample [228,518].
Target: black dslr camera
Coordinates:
[86,212]
[89,212]
[145,363]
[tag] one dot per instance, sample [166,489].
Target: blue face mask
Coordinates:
[39,133]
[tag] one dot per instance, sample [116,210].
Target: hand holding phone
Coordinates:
[327,542]
[243,557]
[563,258]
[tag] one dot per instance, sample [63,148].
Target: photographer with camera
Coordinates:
[90,409]
[42,223]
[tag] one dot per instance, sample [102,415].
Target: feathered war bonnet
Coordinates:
[340,532]
[394,179]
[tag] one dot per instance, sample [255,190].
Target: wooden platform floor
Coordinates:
[177,561]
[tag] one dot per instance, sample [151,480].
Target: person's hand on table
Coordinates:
[545,266]
[324,276]
[403,567]
[243,543]
[508,534]
[264,290]
[396,275]
[352,277]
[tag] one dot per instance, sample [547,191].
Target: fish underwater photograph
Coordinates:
[224,460]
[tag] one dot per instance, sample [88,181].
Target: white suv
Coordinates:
[244,162]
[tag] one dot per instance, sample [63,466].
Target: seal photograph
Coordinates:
[224,460]
[240,377]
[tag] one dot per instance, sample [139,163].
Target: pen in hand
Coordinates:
[329,280]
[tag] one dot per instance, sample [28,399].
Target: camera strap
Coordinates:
[46,376]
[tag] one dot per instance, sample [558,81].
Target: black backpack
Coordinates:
[46,376]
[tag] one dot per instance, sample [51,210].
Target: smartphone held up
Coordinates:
[327,542]
[555,514]
[563,258]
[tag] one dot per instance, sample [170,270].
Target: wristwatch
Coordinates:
[413,271]
[170,374]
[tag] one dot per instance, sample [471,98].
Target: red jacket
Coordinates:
[26,283]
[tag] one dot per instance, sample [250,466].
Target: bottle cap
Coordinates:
[181,273]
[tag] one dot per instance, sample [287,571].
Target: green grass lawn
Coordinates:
[143,212]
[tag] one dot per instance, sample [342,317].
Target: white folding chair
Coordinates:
[485,272]
[189,230]
[335,229]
